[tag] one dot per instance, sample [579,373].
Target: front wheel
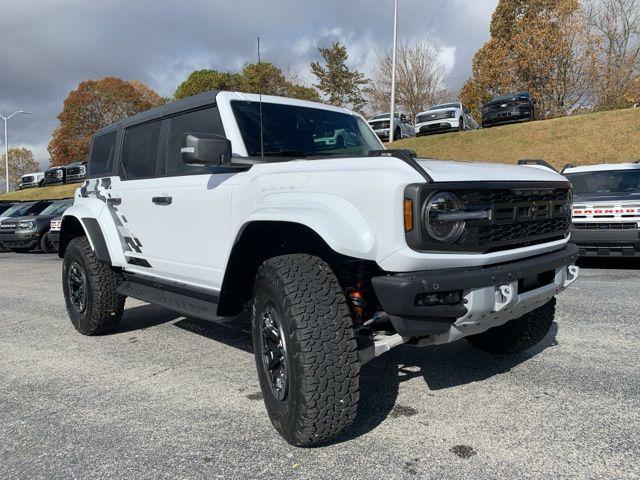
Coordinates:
[45,244]
[90,290]
[519,334]
[305,349]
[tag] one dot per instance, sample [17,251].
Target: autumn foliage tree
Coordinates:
[536,46]
[91,106]
[262,77]
[21,161]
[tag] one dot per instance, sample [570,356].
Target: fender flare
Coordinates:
[336,221]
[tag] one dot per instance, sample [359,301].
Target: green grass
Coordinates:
[45,193]
[602,137]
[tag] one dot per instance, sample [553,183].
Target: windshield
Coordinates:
[605,182]
[443,106]
[56,208]
[293,131]
[18,210]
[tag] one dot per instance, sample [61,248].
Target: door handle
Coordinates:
[114,201]
[162,200]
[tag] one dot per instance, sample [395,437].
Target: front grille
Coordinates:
[492,107]
[436,116]
[520,215]
[380,125]
[605,226]
[75,171]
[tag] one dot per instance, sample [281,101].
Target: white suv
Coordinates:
[444,118]
[218,203]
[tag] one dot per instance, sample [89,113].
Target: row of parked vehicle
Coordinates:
[28,226]
[72,173]
[447,117]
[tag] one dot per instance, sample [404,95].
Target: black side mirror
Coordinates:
[205,149]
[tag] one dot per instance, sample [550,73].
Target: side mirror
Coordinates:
[205,149]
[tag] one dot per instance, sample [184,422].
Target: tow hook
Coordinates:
[504,296]
[572,275]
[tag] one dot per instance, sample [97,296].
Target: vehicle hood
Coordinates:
[378,120]
[618,198]
[39,219]
[449,171]
[440,110]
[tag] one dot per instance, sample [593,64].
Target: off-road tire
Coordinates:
[103,304]
[321,353]
[519,334]
[45,244]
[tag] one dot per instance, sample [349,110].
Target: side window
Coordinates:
[206,120]
[102,154]
[140,150]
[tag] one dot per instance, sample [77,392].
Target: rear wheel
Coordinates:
[519,334]
[90,290]
[397,135]
[305,349]
[461,124]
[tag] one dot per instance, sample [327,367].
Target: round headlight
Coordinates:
[26,225]
[438,226]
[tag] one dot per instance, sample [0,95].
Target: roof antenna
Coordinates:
[260,96]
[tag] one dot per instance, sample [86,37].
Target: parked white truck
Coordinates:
[219,203]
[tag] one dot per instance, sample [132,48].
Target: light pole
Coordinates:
[6,143]
[393,73]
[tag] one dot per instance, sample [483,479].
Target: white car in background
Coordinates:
[443,118]
[401,124]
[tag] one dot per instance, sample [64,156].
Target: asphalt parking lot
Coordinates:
[171,397]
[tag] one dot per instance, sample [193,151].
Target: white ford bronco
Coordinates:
[226,201]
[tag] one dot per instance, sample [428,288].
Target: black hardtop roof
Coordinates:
[194,101]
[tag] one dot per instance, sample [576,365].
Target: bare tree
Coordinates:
[420,78]
[614,27]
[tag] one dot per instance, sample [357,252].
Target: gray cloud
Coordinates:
[49,47]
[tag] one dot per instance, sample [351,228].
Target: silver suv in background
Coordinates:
[401,124]
[444,118]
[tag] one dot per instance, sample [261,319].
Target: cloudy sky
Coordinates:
[48,46]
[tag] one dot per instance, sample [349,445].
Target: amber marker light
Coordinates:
[408,215]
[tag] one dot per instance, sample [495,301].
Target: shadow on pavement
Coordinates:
[610,263]
[441,366]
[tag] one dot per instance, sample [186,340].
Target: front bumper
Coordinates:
[76,178]
[607,242]
[27,239]
[437,126]
[506,116]
[491,295]
[382,134]
[29,185]
[54,238]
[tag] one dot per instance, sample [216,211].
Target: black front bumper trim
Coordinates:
[397,292]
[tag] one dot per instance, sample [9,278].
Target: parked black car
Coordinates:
[22,234]
[55,176]
[20,209]
[76,172]
[510,108]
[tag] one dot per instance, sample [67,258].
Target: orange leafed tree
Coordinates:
[535,46]
[91,106]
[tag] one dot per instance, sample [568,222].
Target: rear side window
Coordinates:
[102,154]
[206,120]
[140,149]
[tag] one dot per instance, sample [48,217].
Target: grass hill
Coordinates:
[602,137]
[45,193]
